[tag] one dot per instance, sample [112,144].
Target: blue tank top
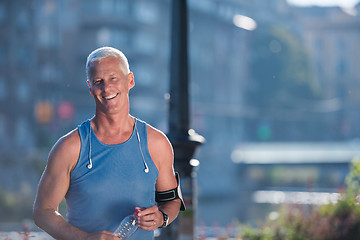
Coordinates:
[100,197]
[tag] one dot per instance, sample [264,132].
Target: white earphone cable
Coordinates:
[146,170]
[89,166]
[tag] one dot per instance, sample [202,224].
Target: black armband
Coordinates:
[171,194]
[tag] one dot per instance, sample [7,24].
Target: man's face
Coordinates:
[109,85]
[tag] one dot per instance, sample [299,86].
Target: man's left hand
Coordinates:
[150,218]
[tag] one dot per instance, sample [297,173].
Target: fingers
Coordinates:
[150,218]
[141,209]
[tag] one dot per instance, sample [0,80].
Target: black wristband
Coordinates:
[166,219]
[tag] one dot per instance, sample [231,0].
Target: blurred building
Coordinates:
[17,64]
[331,36]
[43,91]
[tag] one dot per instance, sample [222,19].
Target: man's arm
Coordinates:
[52,188]
[162,154]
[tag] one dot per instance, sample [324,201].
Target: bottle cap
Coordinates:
[137,212]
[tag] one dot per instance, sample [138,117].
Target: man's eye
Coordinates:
[96,82]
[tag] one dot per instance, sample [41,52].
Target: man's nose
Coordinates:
[105,86]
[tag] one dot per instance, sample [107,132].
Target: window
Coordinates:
[144,74]
[103,37]
[22,132]
[3,12]
[3,53]
[146,12]
[90,6]
[226,11]
[341,67]
[3,88]
[319,67]
[47,36]
[118,38]
[318,46]
[144,43]
[205,5]
[110,36]
[4,132]
[23,91]
[106,6]
[121,7]
[22,55]
[340,44]
[48,72]
[22,19]
[342,53]
[48,7]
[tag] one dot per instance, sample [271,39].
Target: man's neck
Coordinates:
[113,129]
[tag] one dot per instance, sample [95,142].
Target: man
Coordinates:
[109,166]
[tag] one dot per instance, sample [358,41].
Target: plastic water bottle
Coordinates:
[127,226]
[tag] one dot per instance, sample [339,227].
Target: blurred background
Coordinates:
[274,89]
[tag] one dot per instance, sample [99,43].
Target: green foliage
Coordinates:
[280,68]
[17,193]
[14,206]
[335,221]
[353,180]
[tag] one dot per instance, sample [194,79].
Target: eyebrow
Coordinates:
[111,75]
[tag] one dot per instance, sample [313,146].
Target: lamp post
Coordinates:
[184,140]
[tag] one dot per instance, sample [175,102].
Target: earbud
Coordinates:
[89,166]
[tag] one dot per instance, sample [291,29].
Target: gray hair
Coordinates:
[105,52]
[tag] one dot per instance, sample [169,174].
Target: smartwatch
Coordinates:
[166,219]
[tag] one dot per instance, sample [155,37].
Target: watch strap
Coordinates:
[166,219]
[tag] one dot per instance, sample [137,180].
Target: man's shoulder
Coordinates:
[159,145]
[151,130]
[72,137]
[69,142]
[65,152]
[155,134]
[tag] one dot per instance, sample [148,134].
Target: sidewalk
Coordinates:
[24,236]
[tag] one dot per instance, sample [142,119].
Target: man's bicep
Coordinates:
[52,189]
[162,154]
[55,180]
[166,179]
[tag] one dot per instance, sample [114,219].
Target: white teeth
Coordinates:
[111,96]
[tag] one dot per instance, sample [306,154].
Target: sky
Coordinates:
[341,3]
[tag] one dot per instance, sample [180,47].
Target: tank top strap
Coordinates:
[84,133]
[84,130]
[142,129]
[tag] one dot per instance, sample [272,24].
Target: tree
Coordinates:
[280,69]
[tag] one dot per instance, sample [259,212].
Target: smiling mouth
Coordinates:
[111,96]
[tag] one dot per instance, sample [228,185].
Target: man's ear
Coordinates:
[88,83]
[131,80]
